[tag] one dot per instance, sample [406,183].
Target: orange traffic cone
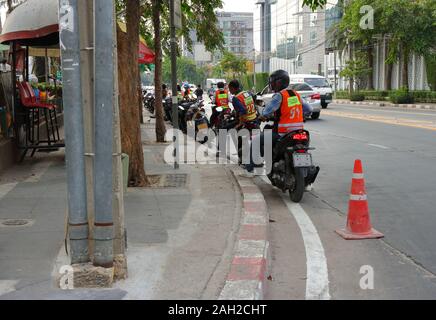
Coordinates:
[358,222]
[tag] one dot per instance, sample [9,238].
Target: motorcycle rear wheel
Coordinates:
[296,194]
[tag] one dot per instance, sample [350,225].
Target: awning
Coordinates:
[146,55]
[33,23]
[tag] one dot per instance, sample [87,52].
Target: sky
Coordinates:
[240,5]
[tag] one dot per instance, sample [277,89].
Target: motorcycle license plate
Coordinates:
[202,126]
[302,160]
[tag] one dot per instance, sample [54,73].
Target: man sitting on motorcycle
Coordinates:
[243,103]
[286,107]
[222,100]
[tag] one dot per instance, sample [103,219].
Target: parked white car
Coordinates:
[319,84]
[306,92]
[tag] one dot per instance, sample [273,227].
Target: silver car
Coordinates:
[306,92]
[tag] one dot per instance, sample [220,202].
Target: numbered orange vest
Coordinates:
[291,112]
[222,99]
[248,103]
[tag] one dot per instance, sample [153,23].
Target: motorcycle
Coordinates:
[168,109]
[148,101]
[184,106]
[292,168]
[196,117]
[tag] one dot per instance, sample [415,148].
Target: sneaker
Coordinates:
[309,187]
[247,174]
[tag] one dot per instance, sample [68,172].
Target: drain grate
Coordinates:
[15,222]
[168,180]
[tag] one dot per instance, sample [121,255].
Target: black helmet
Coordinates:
[279,80]
[221,85]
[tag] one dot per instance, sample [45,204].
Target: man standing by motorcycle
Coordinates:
[286,107]
[243,103]
[222,100]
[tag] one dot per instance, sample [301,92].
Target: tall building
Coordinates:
[237,28]
[298,38]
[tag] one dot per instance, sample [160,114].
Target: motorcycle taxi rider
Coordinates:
[286,107]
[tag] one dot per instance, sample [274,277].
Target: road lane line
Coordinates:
[394,111]
[378,146]
[317,283]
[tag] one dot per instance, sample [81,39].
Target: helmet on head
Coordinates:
[221,85]
[279,80]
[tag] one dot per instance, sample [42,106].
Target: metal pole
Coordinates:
[334,66]
[174,81]
[104,106]
[74,131]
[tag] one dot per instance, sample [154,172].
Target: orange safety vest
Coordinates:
[222,99]
[248,103]
[291,112]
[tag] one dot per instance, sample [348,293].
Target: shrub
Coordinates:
[401,96]
[357,96]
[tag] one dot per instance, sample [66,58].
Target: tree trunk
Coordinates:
[405,68]
[127,66]
[389,67]
[160,122]
[141,114]
[370,66]
[350,57]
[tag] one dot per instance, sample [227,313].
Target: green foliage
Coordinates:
[430,61]
[418,96]
[356,69]
[197,15]
[401,96]
[233,65]
[315,4]
[186,70]
[261,80]
[357,97]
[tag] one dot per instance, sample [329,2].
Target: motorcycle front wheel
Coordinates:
[296,194]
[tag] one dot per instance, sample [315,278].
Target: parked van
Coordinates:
[319,84]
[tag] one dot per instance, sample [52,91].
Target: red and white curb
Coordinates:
[386,104]
[251,259]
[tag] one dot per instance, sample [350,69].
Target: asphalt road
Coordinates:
[398,151]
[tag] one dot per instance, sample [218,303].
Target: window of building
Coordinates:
[313,19]
[300,60]
[300,23]
[313,37]
[300,39]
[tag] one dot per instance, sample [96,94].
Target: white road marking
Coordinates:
[378,146]
[6,188]
[7,286]
[393,111]
[317,283]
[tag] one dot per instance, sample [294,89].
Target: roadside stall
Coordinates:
[31,30]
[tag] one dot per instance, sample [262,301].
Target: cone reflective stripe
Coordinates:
[358,220]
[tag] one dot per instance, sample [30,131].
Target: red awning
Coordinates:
[146,55]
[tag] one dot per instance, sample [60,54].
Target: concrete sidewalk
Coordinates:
[181,235]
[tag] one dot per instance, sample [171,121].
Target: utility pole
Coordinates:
[335,71]
[104,105]
[74,131]
[175,7]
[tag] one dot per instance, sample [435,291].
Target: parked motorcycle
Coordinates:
[148,101]
[196,117]
[292,167]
